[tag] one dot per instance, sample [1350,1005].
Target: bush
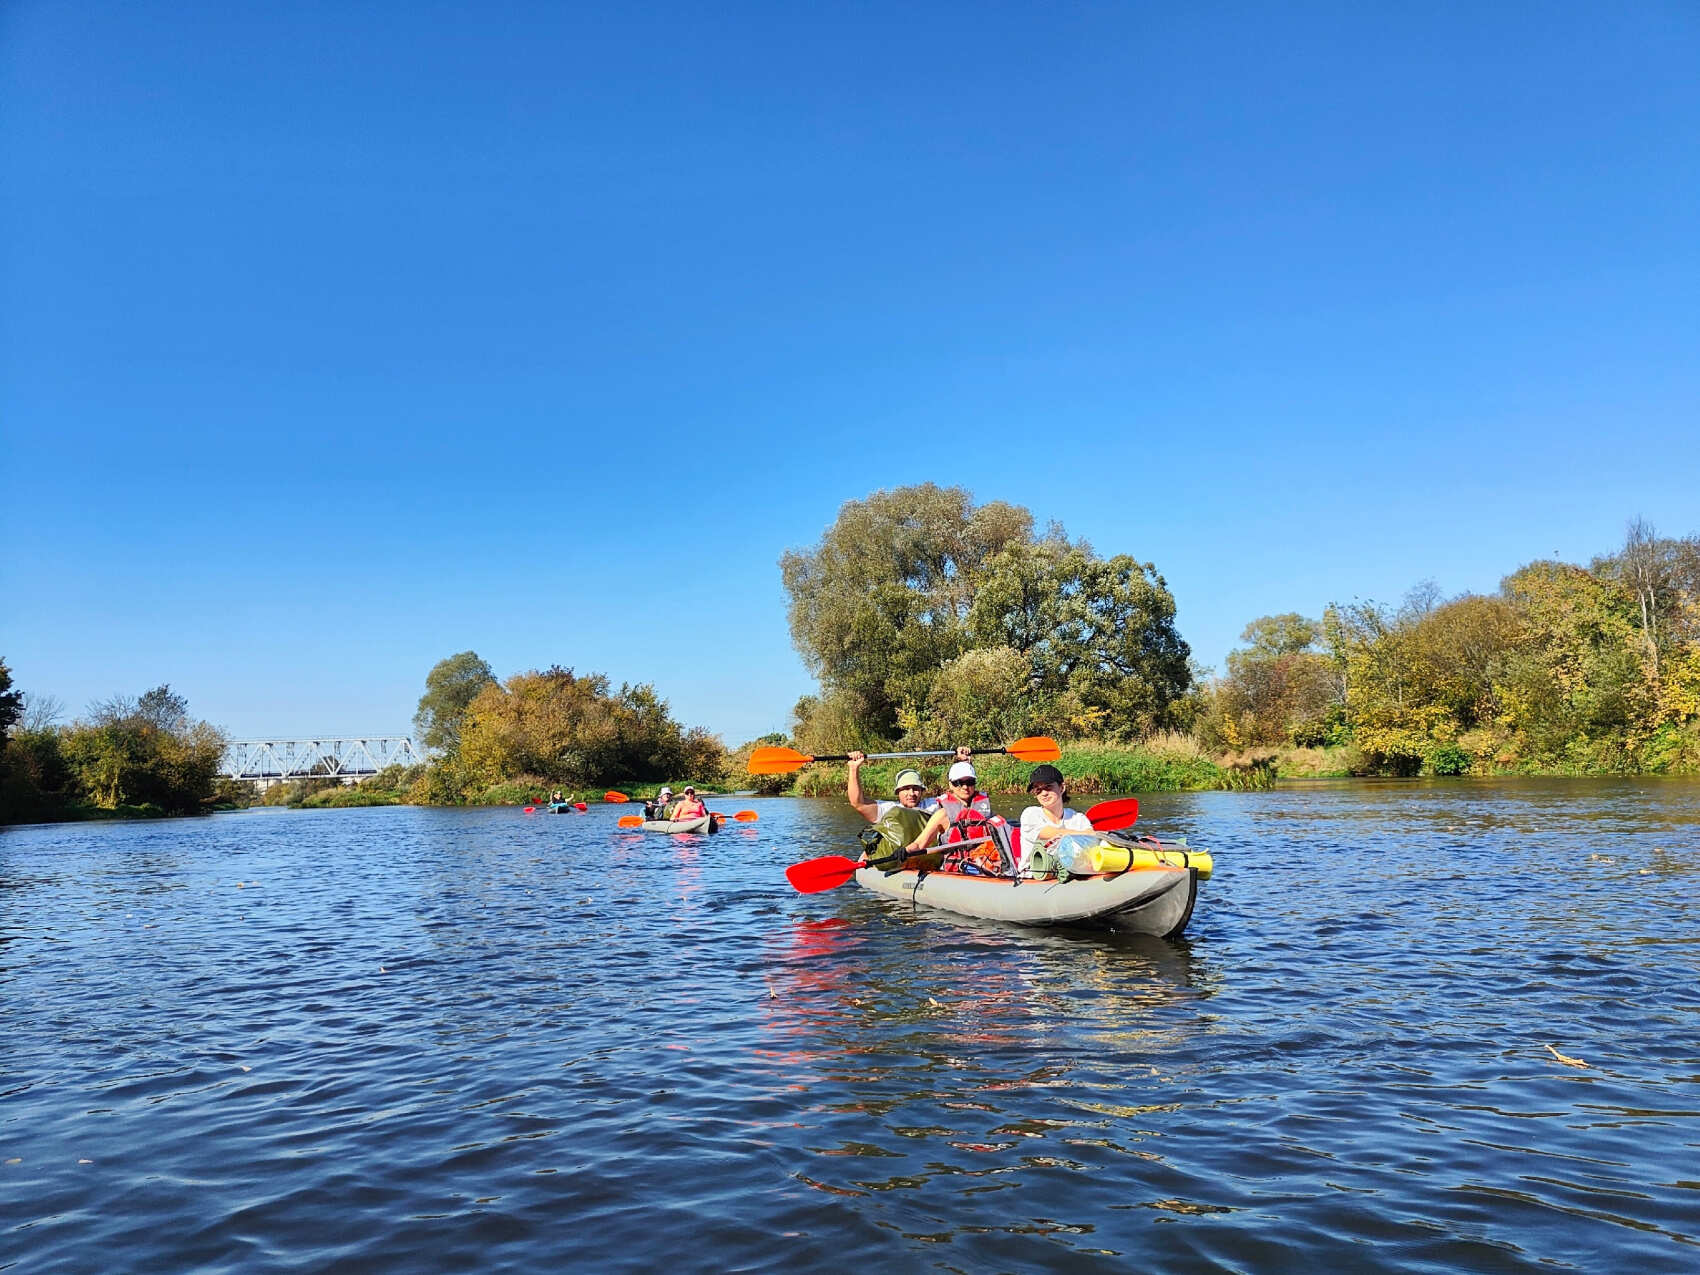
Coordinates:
[343,795]
[1448,759]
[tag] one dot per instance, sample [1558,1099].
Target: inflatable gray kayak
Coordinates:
[703,823]
[1145,900]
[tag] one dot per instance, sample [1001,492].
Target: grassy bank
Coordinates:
[1164,764]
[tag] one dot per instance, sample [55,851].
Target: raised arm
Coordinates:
[869,810]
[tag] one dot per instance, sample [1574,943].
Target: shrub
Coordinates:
[1448,759]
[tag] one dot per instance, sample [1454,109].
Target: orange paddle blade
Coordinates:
[1035,748]
[746,816]
[615,796]
[630,821]
[777,761]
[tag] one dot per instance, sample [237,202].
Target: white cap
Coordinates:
[665,792]
[962,770]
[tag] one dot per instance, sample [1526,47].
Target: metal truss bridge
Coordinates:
[345,757]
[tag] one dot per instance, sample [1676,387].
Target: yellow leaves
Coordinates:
[1679,694]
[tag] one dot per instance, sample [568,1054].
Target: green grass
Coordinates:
[337,798]
[1168,765]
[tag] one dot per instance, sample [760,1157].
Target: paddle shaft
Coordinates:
[936,752]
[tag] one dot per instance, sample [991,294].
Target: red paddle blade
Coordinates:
[777,761]
[615,796]
[1107,816]
[579,805]
[531,810]
[1035,748]
[814,875]
[630,821]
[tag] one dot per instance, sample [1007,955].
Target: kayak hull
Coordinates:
[707,823]
[1154,900]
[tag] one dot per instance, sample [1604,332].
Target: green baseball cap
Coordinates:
[908,779]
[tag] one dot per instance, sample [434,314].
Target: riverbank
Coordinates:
[1170,765]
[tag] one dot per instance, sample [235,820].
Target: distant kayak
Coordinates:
[702,823]
[566,807]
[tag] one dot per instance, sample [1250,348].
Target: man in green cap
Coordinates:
[911,791]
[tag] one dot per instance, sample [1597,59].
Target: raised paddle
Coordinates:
[615,796]
[1108,816]
[831,871]
[782,761]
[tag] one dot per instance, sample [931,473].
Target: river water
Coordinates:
[443,1040]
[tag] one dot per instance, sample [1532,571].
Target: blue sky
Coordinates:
[338,338]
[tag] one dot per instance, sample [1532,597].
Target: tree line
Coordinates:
[1566,669]
[547,729]
[141,755]
[930,621]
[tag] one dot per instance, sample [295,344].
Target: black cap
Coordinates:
[1046,774]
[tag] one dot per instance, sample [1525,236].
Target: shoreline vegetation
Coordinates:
[929,622]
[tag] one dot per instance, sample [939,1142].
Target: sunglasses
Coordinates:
[968,782]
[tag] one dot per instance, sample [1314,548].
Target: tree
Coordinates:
[1100,631]
[144,751]
[450,688]
[11,705]
[1576,689]
[1279,689]
[163,710]
[573,730]
[1663,576]
[904,583]
[1272,636]
[982,696]
[880,603]
[41,712]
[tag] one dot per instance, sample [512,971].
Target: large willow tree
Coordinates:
[905,583]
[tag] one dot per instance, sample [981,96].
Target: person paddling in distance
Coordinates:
[1051,818]
[689,806]
[961,805]
[911,791]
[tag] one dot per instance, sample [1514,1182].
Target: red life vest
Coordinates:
[967,819]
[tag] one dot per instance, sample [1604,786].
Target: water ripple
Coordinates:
[1413,1026]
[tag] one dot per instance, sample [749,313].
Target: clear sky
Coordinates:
[336,338]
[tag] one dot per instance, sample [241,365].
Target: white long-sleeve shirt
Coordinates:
[1034,818]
